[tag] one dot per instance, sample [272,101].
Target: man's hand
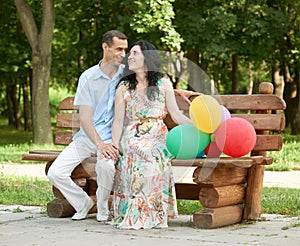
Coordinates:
[108,151]
[185,95]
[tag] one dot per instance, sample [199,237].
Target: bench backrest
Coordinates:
[258,109]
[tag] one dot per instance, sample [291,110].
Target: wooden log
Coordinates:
[214,197]
[39,157]
[86,169]
[187,191]
[63,137]
[252,209]
[48,165]
[57,193]
[61,208]
[274,122]
[67,104]
[92,186]
[210,218]
[268,142]
[242,102]
[222,162]
[219,176]
[81,182]
[68,121]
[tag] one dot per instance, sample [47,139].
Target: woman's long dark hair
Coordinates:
[153,64]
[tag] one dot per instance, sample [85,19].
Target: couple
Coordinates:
[123,107]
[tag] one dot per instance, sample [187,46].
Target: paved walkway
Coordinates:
[279,179]
[23,225]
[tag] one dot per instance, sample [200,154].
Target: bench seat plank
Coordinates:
[39,157]
[263,142]
[243,102]
[223,162]
[68,120]
[274,122]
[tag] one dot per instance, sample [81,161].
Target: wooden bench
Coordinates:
[230,193]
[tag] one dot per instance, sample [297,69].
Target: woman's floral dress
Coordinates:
[144,193]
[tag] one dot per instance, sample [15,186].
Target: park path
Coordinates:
[290,179]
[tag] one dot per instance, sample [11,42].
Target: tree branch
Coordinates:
[28,23]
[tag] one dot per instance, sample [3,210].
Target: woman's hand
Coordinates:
[185,95]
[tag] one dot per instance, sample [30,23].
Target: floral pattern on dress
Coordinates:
[144,193]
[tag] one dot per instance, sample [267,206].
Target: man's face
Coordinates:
[116,52]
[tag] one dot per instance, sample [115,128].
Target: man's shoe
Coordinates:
[104,219]
[81,215]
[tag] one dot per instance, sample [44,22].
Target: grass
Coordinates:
[289,157]
[24,190]
[38,192]
[14,143]
[275,200]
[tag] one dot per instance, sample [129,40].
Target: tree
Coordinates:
[41,44]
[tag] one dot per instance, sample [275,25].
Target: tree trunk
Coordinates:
[277,80]
[13,106]
[198,80]
[295,119]
[10,112]
[41,44]
[250,90]
[26,107]
[40,99]
[234,73]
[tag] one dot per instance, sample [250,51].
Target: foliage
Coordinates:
[55,97]
[260,32]
[153,15]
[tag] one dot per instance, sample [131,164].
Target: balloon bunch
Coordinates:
[212,133]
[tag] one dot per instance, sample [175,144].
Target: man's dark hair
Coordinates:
[108,37]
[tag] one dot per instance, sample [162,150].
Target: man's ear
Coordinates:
[104,46]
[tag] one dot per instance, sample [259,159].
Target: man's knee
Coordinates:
[53,174]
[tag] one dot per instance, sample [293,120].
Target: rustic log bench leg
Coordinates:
[84,175]
[222,196]
[252,209]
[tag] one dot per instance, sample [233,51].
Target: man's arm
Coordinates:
[85,116]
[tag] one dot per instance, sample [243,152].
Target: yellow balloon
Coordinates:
[206,113]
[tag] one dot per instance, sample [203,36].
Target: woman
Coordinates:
[144,195]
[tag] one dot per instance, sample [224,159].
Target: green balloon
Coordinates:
[186,141]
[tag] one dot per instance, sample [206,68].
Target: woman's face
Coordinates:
[136,59]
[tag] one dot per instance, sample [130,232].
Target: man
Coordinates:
[95,98]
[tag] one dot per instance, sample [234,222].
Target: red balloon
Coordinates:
[236,137]
[212,150]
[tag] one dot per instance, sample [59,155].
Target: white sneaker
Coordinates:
[103,218]
[81,215]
